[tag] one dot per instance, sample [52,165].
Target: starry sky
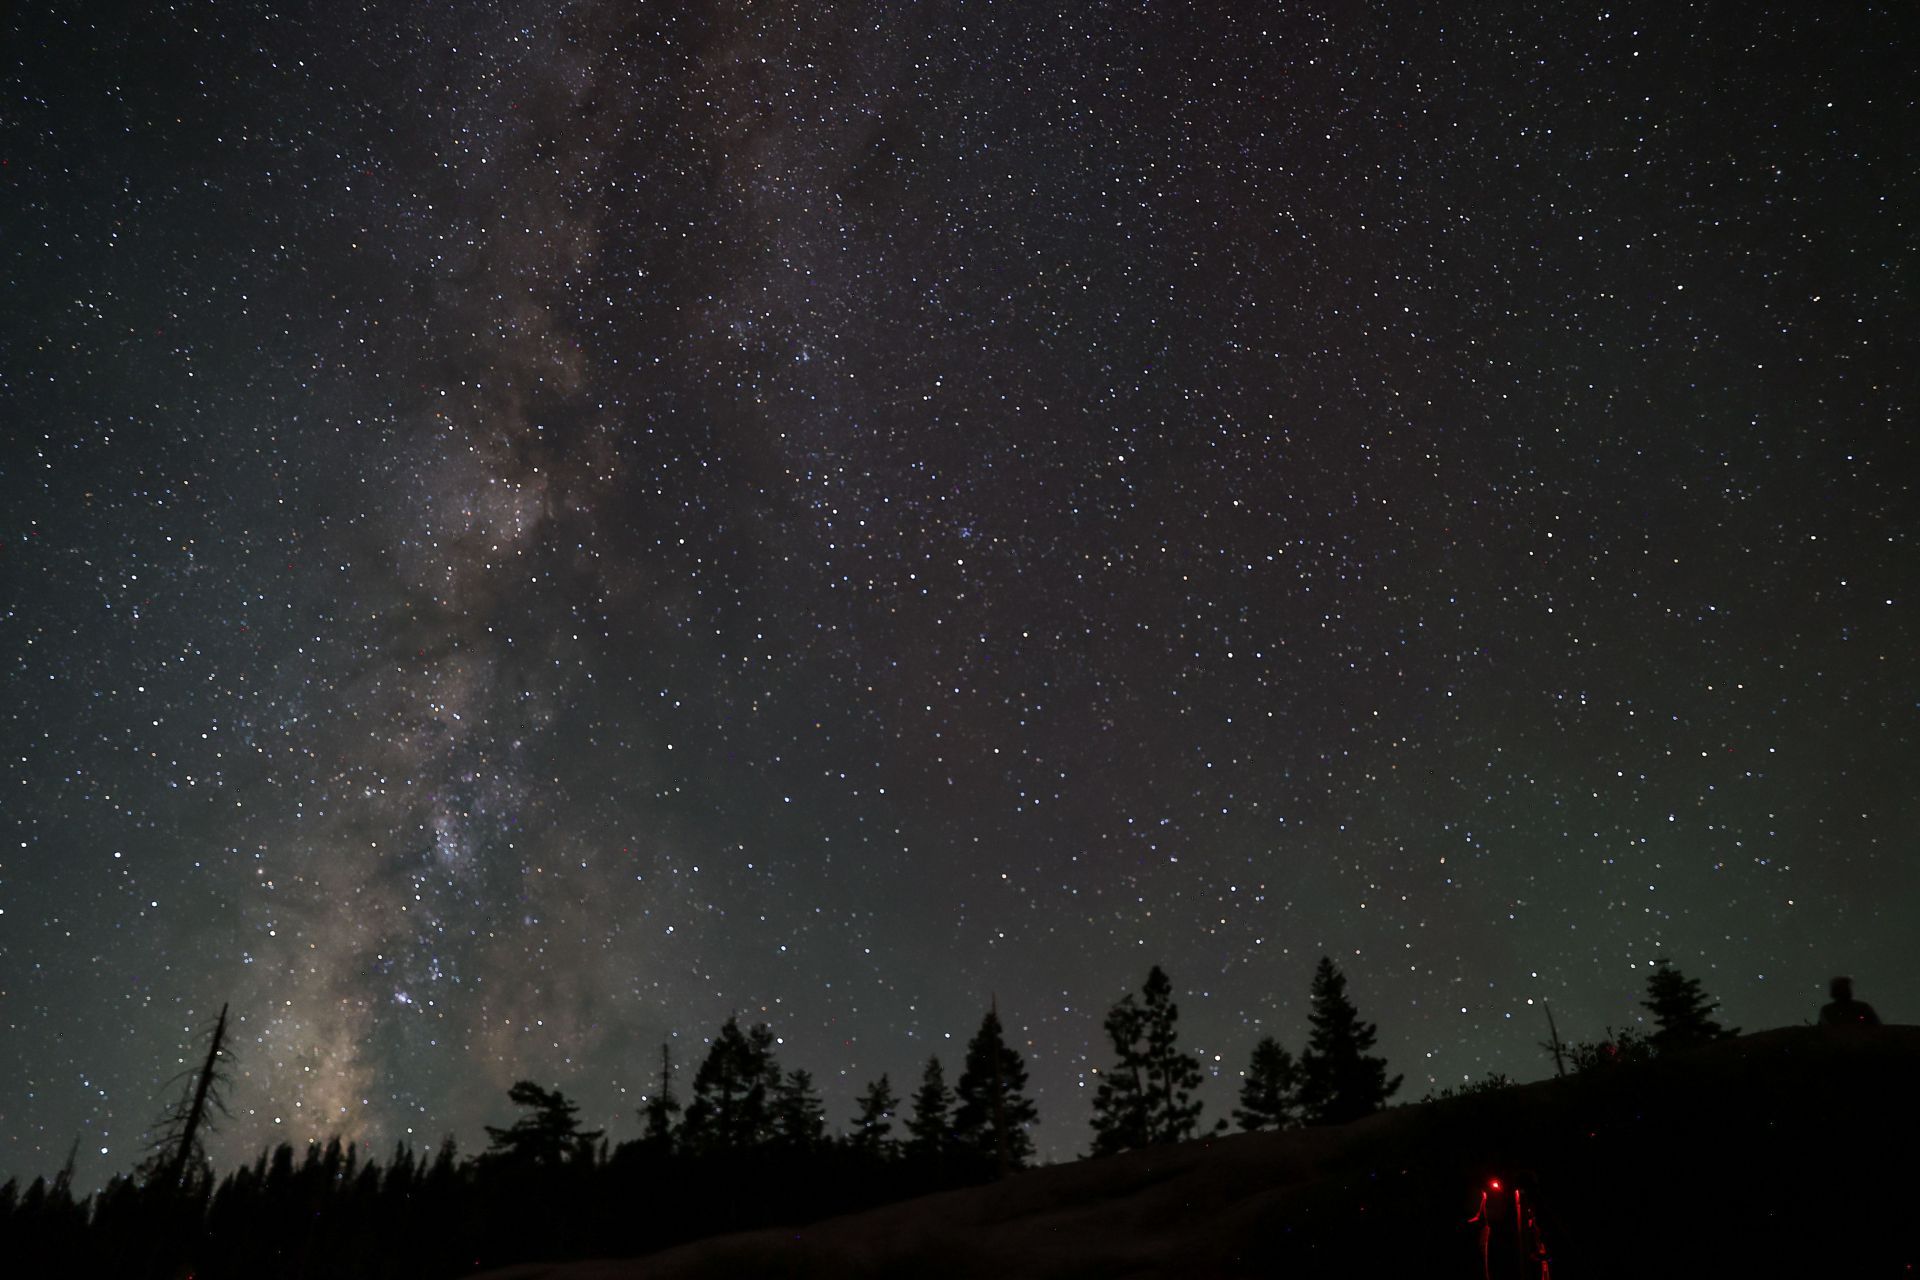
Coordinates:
[531,527]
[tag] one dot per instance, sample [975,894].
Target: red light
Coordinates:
[1495,1184]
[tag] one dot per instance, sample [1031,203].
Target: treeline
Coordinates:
[749,1147]
[744,1144]
[1147,1096]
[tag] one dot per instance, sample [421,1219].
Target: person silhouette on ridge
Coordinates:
[1844,1010]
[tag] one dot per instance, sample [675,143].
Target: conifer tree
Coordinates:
[873,1123]
[930,1128]
[1147,1097]
[732,1091]
[1269,1095]
[1120,1100]
[797,1116]
[993,1113]
[444,1172]
[662,1107]
[1681,1010]
[1338,1080]
[398,1184]
[549,1135]
[1172,1074]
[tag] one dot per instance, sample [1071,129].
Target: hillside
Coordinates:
[1788,1152]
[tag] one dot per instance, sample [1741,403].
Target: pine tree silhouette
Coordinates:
[733,1091]
[1172,1074]
[1338,1080]
[798,1117]
[990,1123]
[1681,1010]
[930,1128]
[662,1107]
[873,1122]
[1269,1095]
[549,1135]
[1147,1097]
[1120,1100]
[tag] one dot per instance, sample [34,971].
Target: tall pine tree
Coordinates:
[733,1092]
[873,1123]
[799,1119]
[662,1107]
[1120,1100]
[1681,1010]
[1147,1097]
[1338,1080]
[1269,1095]
[1172,1073]
[990,1123]
[930,1128]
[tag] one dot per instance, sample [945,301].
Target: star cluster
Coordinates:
[531,528]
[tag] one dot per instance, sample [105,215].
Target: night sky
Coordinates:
[531,527]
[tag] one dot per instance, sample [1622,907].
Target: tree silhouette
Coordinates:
[873,1123]
[1338,1080]
[1681,1010]
[549,1134]
[178,1151]
[1269,1095]
[990,1122]
[799,1119]
[732,1091]
[1148,1096]
[1120,1100]
[662,1107]
[930,1128]
[1172,1074]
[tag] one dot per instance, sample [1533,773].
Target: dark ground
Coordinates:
[1786,1153]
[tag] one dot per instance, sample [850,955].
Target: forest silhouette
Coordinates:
[743,1144]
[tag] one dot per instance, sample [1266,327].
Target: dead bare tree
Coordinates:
[177,1145]
[1554,1045]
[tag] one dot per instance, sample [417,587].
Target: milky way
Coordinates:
[529,529]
